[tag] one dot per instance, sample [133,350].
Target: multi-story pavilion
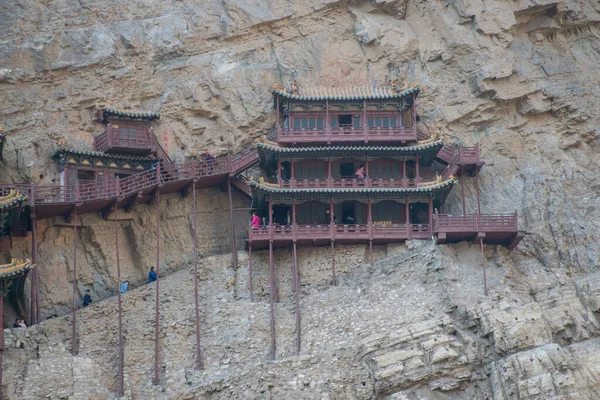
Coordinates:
[348,166]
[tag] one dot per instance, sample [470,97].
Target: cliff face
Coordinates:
[519,78]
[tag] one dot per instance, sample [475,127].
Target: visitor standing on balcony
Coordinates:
[328,216]
[360,172]
[87,298]
[151,275]
[255,220]
[210,161]
[264,222]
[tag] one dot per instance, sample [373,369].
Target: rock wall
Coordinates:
[519,78]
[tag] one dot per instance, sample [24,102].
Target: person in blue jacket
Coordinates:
[151,275]
[87,298]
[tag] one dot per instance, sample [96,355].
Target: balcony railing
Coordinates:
[347,134]
[468,155]
[475,223]
[137,139]
[374,231]
[355,183]
[470,224]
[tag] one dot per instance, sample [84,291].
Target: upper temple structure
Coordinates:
[348,166]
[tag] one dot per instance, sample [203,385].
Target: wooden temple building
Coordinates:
[346,166]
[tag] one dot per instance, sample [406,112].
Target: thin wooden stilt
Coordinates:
[157,297]
[273,291]
[232,227]
[74,306]
[483,262]
[196,301]
[120,387]
[297,298]
[333,261]
[250,272]
[371,252]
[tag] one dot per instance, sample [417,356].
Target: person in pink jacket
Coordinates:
[255,220]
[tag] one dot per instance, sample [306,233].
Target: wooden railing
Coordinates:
[475,222]
[346,134]
[244,161]
[442,223]
[355,183]
[130,138]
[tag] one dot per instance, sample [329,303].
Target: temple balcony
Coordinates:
[126,139]
[347,134]
[499,229]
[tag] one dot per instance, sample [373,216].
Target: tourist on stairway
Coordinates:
[124,286]
[87,298]
[151,275]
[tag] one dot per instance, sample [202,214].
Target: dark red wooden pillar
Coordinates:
[279,178]
[120,386]
[292,173]
[431,215]
[417,173]
[365,125]
[296,296]
[329,172]
[271,261]
[273,294]
[196,302]
[370,222]
[250,272]
[232,226]
[157,297]
[74,295]
[407,211]
[477,191]
[483,262]
[34,297]
[332,225]
[462,188]
[327,122]
[367,172]
[404,172]
[2,294]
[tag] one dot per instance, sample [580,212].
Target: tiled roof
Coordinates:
[349,93]
[422,189]
[16,267]
[130,114]
[12,199]
[117,156]
[352,149]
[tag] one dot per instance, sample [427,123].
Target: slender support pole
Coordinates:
[370,222]
[332,225]
[333,260]
[279,179]
[483,262]
[329,173]
[431,216]
[327,122]
[404,172]
[250,272]
[417,173]
[407,211]
[277,116]
[196,303]
[297,297]
[232,225]
[273,294]
[156,305]
[34,308]
[462,188]
[367,173]
[120,307]
[1,343]
[365,125]
[74,306]
[477,192]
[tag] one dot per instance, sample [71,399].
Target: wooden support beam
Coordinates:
[483,263]
[120,385]
[478,236]
[333,260]
[516,239]
[196,301]
[74,293]
[134,200]
[157,298]
[72,212]
[109,210]
[272,299]
[185,192]
[154,195]
[441,238]
[250,272]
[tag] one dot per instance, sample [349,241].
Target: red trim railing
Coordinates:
[475,223]
[347,134]
[354,183]
[244,161]
[137,138]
